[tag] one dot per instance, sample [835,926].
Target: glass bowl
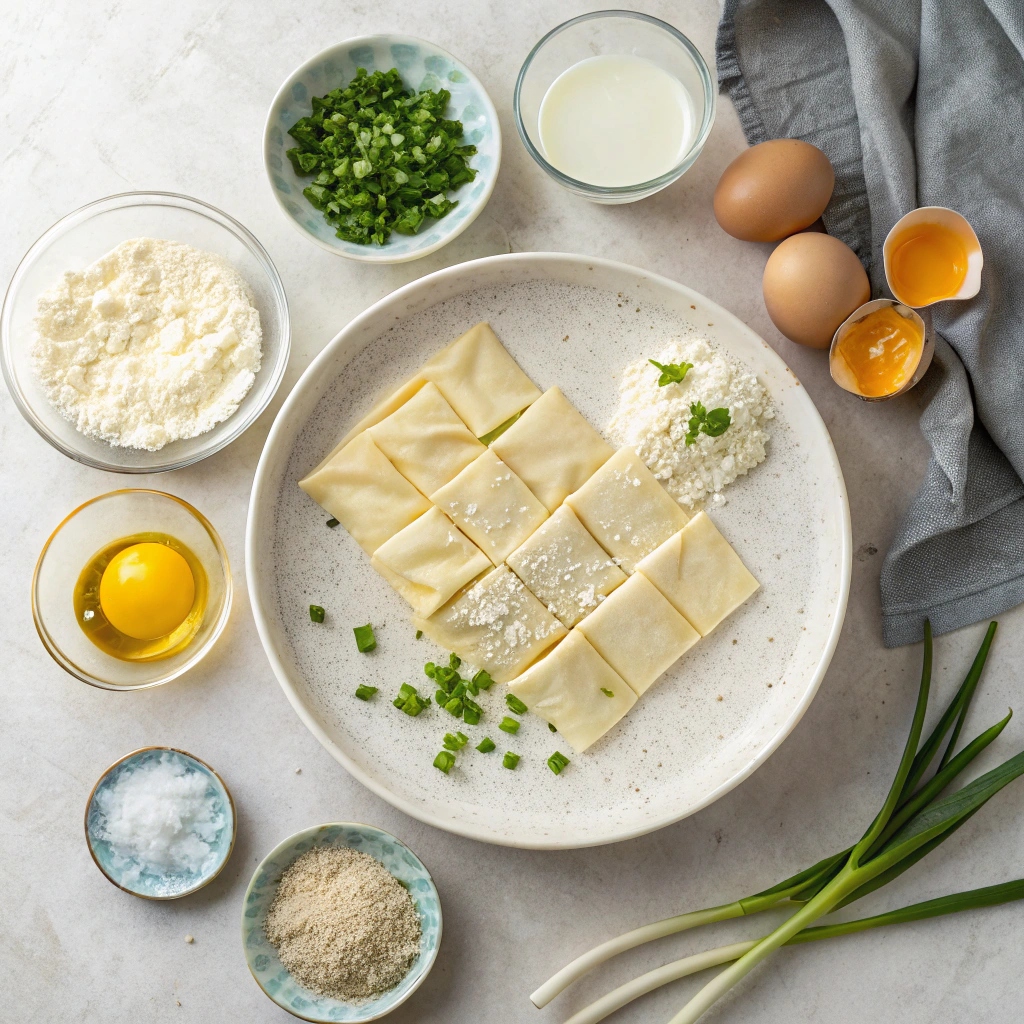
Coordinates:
[613,32]
[82,237]
[84,533]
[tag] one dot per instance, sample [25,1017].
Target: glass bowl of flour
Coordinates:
[144,332]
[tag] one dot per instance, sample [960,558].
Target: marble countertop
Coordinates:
[107,97]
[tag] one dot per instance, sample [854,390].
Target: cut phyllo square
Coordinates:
[480,380]
[552,448]
[497,625]
[429,561]
[425,441]
[365,493]
[700,573]
[638,632]
[565,567]
[492,506]
[626,509]
[575,690]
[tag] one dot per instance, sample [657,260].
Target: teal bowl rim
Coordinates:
[231,804]
[640,189]
[378,254]
[306,833]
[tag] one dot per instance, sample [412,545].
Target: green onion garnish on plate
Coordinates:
[455,741]
[365,640]
[316,613]
[510,760]
[445,761]
[508,725]
[557,761]
[365,692]
[515,704]
[332,523]
[486,745]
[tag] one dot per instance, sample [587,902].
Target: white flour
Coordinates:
[653,420]
[154,342]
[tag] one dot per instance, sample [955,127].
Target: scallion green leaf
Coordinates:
[557,761]
[365,640]
[486,745]
[365,692]
[445,760]
[508,725]
[316,613]
[515,704]
[510,760]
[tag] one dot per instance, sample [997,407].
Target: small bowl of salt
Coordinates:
[160,823]
[341,922]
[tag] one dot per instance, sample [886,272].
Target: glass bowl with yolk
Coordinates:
[881,350]
[131,590]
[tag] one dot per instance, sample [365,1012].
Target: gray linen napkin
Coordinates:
[919,104]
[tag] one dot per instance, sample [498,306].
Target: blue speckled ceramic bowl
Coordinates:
[422,65]
[262,957]
[129,874]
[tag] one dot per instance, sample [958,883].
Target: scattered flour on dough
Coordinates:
[152,343]
[653,420]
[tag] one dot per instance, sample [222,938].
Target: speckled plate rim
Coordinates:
[441,285]
[379,254]
[305,833]
[231,804]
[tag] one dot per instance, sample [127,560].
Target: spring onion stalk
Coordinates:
[989,896]
[805,885]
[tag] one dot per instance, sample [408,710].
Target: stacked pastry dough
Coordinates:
[557,564]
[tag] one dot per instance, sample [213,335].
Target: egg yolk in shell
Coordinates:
[147,590]
[880,352]
[928,263]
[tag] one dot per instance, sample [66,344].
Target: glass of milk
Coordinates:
[614,105]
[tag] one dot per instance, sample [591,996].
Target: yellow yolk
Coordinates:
[147,590]
[928,263]
[881,351]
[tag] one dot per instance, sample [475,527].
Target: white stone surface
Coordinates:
[101,98]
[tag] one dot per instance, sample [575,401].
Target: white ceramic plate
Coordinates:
[574,322]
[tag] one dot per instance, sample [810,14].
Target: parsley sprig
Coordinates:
[384,158]
[713,423]
[671,373]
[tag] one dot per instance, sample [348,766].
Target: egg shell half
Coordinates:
[812,283]
[773,190]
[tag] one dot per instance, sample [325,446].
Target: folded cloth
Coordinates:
[919,104]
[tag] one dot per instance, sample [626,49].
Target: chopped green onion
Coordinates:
[551,728]
[454,661]
[332,523]
[494,434]
[607,692]
[482,680]
[557,761]
[508,725]
[471,716]
[486,745]
[441,697]
[454,707]
[405,691]
[419,634]
[456,741]
[445,761]
[365,640]
[515,704]
[316,613]
[429,669]
[365,692]
[510,760]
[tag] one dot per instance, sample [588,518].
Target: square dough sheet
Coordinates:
[480,380]
[429,561]
[425,441]
[493,507]
[497,625]
[365,493]
[552,448]
[565,567]
[700,573]
[638,632]
[626,509]
[575,690]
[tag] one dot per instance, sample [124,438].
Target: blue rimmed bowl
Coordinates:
[131,875]
[262,958]
[422,65]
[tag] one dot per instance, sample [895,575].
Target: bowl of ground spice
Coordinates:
[341,922]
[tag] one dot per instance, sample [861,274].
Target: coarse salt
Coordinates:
[654,420]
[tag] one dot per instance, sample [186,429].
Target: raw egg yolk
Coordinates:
[147,591]
[881,352]
[928,263]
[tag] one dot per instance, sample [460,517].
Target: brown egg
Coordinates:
[812,283]
[773,190]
